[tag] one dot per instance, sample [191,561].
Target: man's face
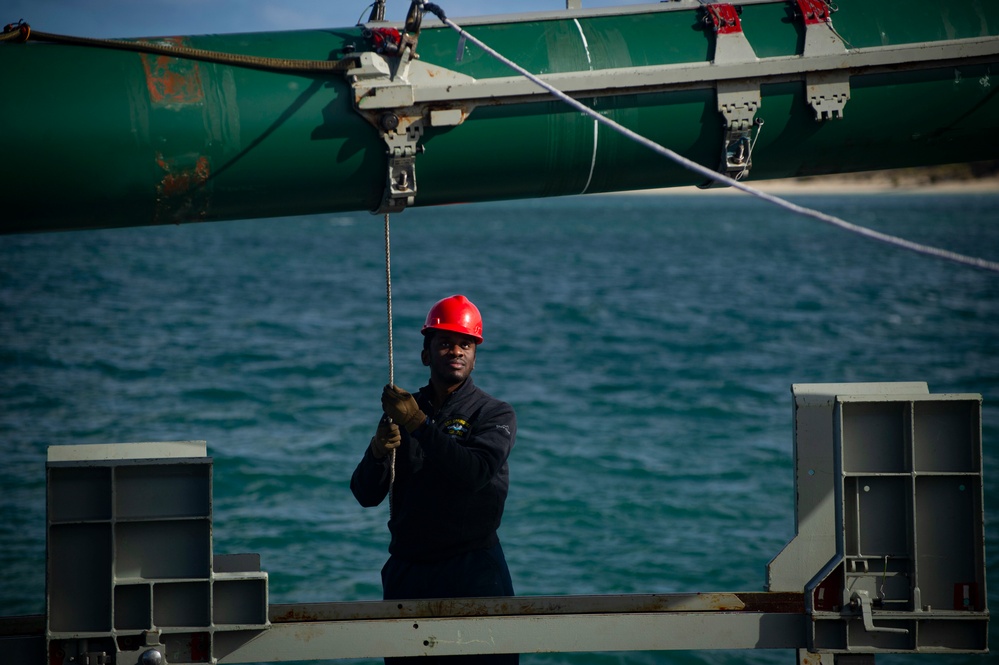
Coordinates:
[450,356]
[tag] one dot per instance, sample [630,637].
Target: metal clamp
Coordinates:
[402,146]
[738,103]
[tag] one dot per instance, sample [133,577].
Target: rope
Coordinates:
[16,32]
[22,32]
[388,299]
[714,175]
[391,353]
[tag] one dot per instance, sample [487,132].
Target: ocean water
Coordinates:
[648,344]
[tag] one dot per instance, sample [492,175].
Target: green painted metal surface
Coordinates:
[101,138]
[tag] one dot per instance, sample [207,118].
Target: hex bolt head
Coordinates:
[389,121]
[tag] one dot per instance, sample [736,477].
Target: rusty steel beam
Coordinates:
[758,602]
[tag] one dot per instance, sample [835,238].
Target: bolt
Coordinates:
[151,657]
[389,121]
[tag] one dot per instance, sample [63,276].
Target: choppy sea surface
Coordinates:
[648,344]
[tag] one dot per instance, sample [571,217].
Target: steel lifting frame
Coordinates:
[401,96]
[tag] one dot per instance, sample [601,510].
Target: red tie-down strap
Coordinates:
[815,11]
[725,18]
[384,40]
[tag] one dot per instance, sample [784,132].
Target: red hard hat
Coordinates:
[457,314]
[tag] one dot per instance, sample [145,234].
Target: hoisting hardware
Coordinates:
[403,144]
[738,102]
[384,84]
[384,93]
[401,133]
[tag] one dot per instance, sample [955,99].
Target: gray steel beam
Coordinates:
[429,84]
[525,624]
[373,638]
[521,624]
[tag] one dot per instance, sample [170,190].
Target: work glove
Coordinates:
[386,439]
[402,408]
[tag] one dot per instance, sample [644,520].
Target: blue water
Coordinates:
[648,344]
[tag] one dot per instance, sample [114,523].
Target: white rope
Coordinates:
[391,353]
[388,300]
[719,177]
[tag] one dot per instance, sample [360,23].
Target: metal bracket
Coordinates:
[820,37]
[384,94]
[862,600]
[402,146]
[381,82]
[738,102]
[731,45]
[827,93]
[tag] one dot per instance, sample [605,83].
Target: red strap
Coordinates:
[725,18]
[815,11]
[381,37]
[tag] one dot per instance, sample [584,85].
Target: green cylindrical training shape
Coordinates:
[104,138]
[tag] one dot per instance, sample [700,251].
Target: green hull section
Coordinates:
[105,138]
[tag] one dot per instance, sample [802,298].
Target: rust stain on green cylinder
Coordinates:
[175,85]
[182,193]
[172,81]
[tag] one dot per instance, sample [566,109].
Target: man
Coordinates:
[451,443]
